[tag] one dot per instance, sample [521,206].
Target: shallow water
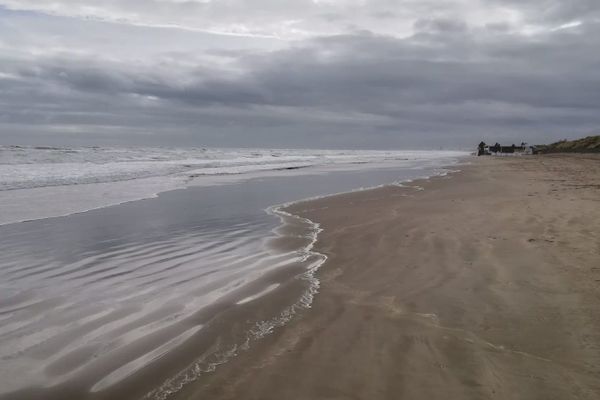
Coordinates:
[93,301]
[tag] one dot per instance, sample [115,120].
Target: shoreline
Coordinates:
[304,302]
[126,353]
[311,348]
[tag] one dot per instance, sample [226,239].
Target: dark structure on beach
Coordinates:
[497,149]
[589,144]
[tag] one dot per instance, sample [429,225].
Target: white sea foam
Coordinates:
[209,363]
[44,182]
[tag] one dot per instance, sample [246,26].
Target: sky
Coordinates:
[373,74]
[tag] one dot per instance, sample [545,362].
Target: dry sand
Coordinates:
[484,285]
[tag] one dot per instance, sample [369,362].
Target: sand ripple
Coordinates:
[117,310]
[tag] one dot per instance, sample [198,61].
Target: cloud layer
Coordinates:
[344,74]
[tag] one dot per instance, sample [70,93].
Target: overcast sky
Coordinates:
[303,73]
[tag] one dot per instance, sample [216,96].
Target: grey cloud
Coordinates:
[384,14]
[448,84]
[439,25]
[302,18]
[555,11]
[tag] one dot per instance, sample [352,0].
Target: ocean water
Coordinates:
[39,182]
[138,263]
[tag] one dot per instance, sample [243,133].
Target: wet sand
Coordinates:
[142,297]
[484,285]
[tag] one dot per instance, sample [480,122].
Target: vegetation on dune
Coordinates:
[590,144]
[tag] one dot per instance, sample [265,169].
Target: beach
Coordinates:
[482,284]
[299,200]
[139,293]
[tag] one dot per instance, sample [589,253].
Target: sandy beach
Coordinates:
[135,300]
[299,200]
[480,285]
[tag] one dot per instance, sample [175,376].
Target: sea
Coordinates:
[131,272]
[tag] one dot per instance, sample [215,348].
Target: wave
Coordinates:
[30,176]
[36,167]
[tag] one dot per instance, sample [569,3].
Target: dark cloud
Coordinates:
[440,25]
[448,84]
